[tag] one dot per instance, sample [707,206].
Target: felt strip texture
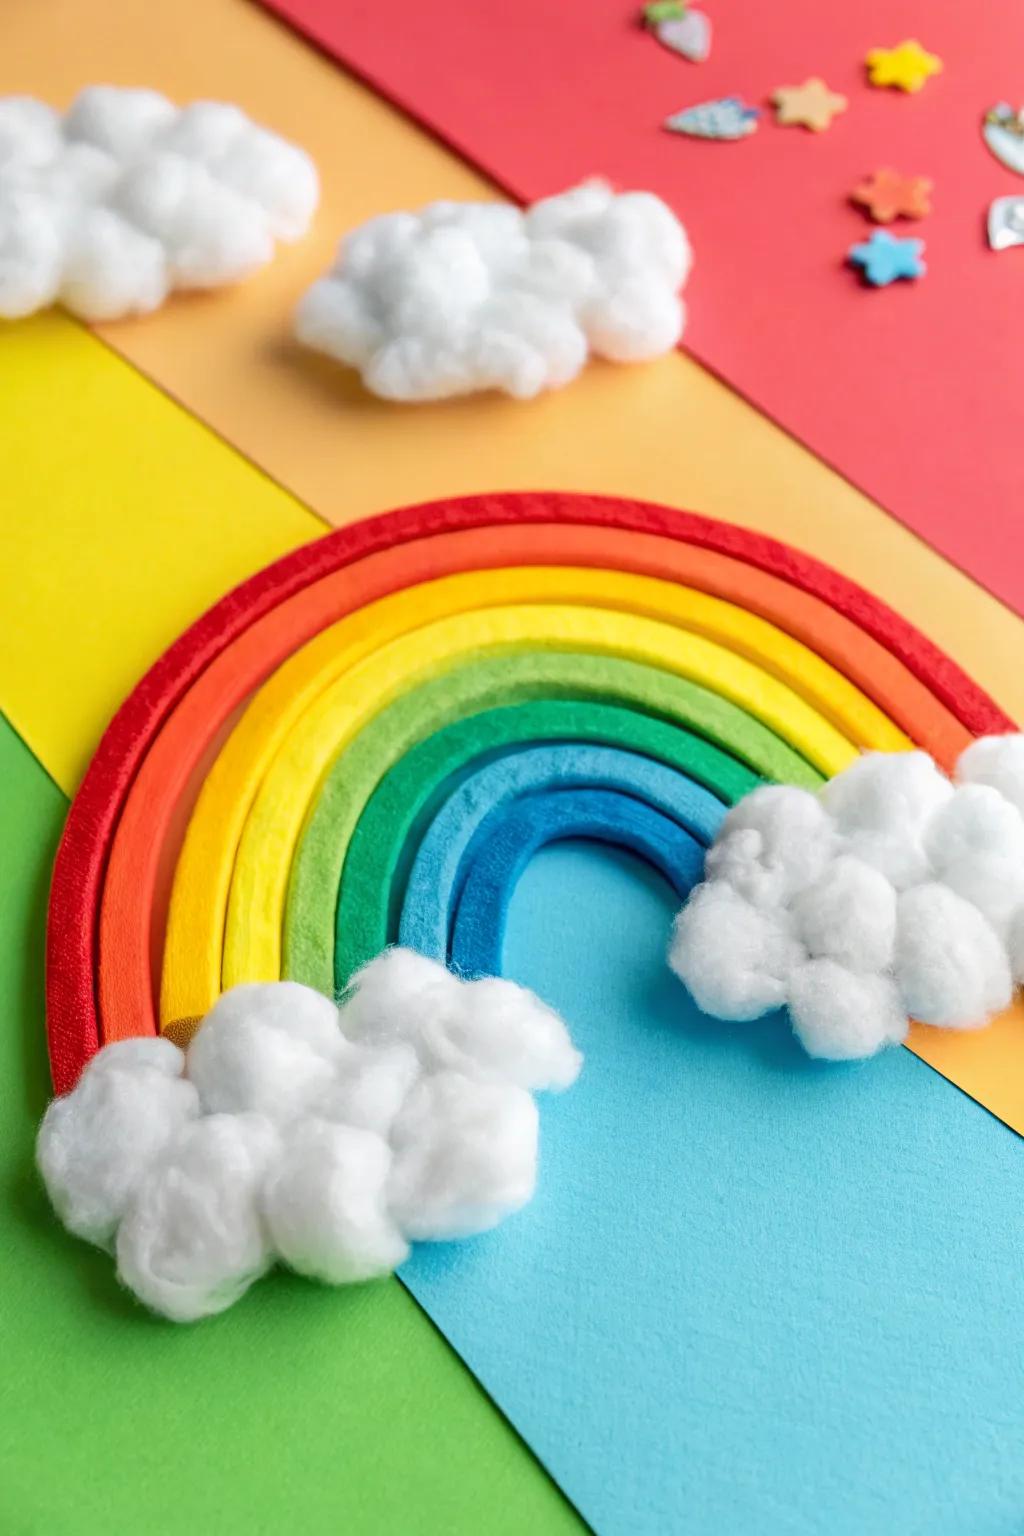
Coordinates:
[521,829]
[374,867]
[469,820]
[72,1022]
[266,774]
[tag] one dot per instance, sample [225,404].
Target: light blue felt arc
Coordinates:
[449,845]
[514,834]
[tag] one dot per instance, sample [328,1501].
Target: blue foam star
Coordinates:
[883,258]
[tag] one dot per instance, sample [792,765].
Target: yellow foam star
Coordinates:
[907,66]
[811,105]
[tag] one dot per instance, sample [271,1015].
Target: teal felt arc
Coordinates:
[331,929]
[519,830]
[447,851]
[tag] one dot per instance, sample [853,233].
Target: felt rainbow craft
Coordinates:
[367,740]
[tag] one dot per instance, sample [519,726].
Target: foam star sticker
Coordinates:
[886,195]
[883,259]
[905,67]
[811,105]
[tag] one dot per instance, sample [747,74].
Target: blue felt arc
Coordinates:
[515,833]
[448,847]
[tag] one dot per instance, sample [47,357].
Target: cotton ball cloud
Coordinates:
[126,197]
[893,894]
[293,1131]
[463,297]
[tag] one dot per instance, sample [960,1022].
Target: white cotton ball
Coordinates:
[392,997]
[840,1015]
[465,1155]
[465,297]
[1015,944]
[735,959]
[848,915]
[886,792]
[881,805]
[976,819]
[771,844]
[210,234]
[112,269]
[949,964]
[30,132]
[193,1239]
[326,1204]
[32,240]
[122,122]
[506,1032]
[997,761]
[269,1047]
[97,1143]
[489,1028]
[253,162]
[370,1086]
[124,198]
[975,843]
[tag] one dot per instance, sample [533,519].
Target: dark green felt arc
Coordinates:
[310,951]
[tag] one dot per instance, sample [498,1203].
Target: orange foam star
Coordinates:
[906,67]
[811,105]
[886,195]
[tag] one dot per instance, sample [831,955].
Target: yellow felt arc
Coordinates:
[191,982]
[252,938]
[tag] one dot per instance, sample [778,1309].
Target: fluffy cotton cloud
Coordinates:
[893,894]
[475,296]
[292,1130]
[108,208]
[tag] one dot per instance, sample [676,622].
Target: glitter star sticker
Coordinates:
[887,195]
[906,67]
[811,105]
[883,259]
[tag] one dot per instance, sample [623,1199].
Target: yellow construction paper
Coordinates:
[122,520]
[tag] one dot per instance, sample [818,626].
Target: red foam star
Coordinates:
[887,195]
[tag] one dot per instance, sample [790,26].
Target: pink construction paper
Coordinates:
[914,392]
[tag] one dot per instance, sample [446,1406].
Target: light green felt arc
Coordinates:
[507,679]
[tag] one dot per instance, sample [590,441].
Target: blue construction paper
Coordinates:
[449,845]
[513,834]
[754,1295]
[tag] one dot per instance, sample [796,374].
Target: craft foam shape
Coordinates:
[1003,132]
[252,862]
[308,751]
[170,774]
[451,842]
[884,259]
[230,793]
[72,1022]
[374,867]
[519,830]
[314,937]
[452,66]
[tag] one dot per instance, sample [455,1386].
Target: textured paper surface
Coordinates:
[754,1293]
[302,1409]
[906,391]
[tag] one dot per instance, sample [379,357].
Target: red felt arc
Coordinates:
[72,1023]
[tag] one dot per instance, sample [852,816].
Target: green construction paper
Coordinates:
[516,677]
[302,1409]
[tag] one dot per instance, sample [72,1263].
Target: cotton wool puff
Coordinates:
[892,894]
[126,197]
[463,297]
[294,1131]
